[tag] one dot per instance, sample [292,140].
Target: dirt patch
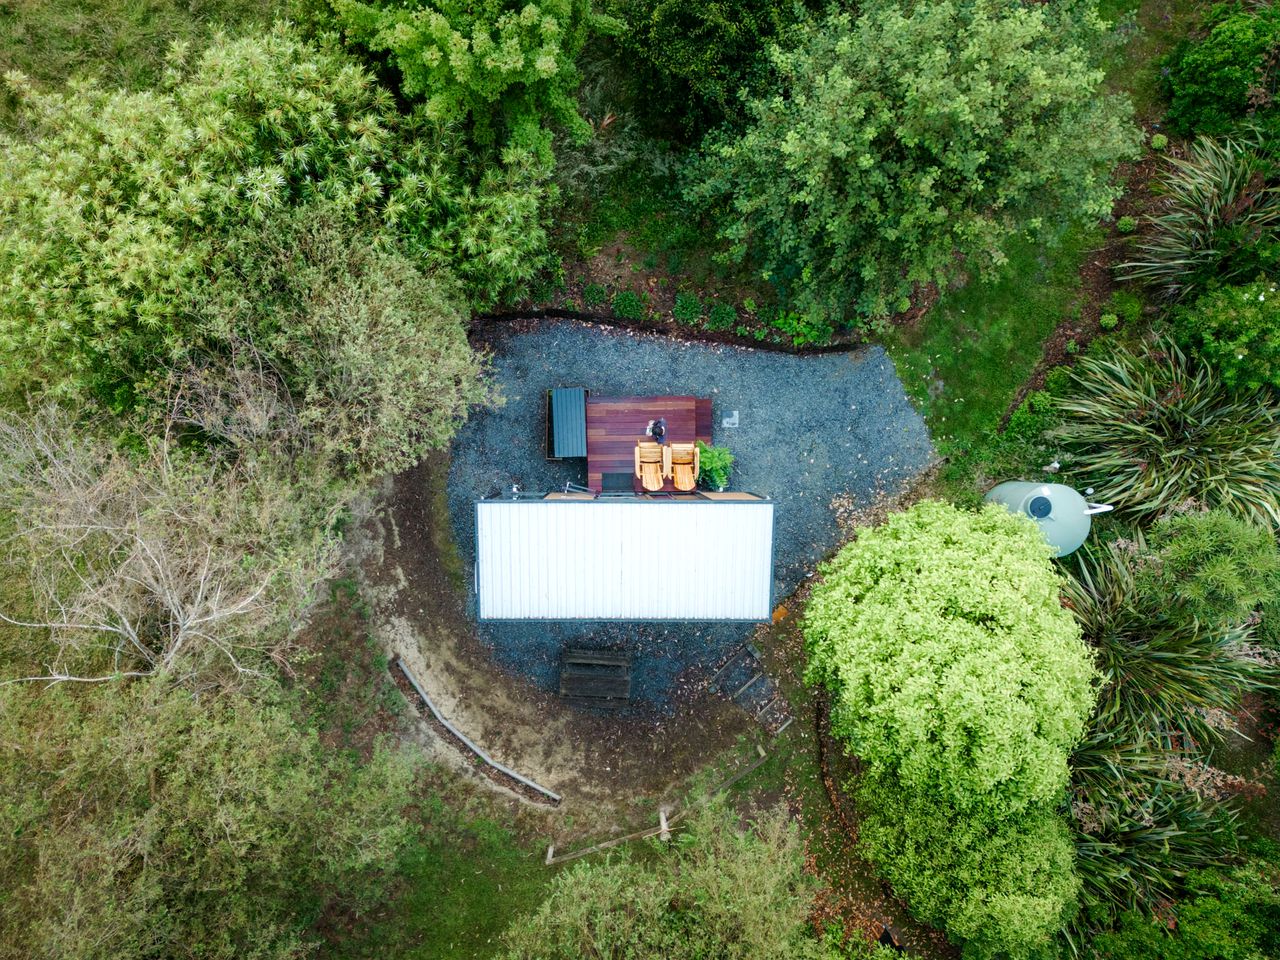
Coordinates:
[611,771]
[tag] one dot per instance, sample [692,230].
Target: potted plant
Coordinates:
[715,464]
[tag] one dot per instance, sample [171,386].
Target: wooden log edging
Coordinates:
[842,344]
[468,742]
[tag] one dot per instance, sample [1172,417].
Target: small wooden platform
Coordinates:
[616,424]
[600,678]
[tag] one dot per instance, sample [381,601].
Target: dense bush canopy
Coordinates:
[1229,74]
[1001,886]
[373,351]
[1237,331]
[506,68]
[719,892]
[142,822]
[913,141]
[703,55]
[110,208]
[949,657]
[1214,567]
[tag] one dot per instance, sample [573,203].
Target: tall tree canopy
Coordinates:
[910,142]
[504,67]
[950,657]
[143,822]
[112,204]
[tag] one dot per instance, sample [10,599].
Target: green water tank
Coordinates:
[1064,517]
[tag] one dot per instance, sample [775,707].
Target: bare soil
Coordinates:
[611,771]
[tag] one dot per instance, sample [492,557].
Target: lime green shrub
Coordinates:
[1154,428]
[950,659]
[1002,886]
[1237,330]
[1214,82]
[905,136]
[111,205]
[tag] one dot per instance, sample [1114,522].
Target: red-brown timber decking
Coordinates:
[616,424]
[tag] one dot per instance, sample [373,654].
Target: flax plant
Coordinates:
[1152,430]
[1217,222]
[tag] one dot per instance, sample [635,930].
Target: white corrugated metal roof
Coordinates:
[624,560]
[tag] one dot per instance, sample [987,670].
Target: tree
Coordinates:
[910,143]
[142,564]
[507,69]
[718,892]
[143,822]
[701,56]
[112,207]
[371,352]
[949,657]
[1002,886]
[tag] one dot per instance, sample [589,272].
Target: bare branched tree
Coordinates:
[152,563]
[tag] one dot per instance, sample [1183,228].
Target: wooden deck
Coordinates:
[616,424]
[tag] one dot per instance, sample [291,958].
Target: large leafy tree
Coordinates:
[113,203]
[143,822]
[369,351]
[504,67]
[909,143]
[950,658]
[701,56]
[961,683]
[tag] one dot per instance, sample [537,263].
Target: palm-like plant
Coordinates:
[1221,211]
[1138,830]
[1154,429]
[1165,676]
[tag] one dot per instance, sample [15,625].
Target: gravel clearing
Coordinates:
[810,428]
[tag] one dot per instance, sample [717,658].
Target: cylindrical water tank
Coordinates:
[1061,513]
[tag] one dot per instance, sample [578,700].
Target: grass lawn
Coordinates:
[965,360]
[462,884]
[123,42]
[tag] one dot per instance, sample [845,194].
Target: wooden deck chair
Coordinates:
[685,464]
[650,461]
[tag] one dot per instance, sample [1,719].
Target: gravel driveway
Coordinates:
[809,428]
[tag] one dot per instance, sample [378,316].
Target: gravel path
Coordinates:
[809,428]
